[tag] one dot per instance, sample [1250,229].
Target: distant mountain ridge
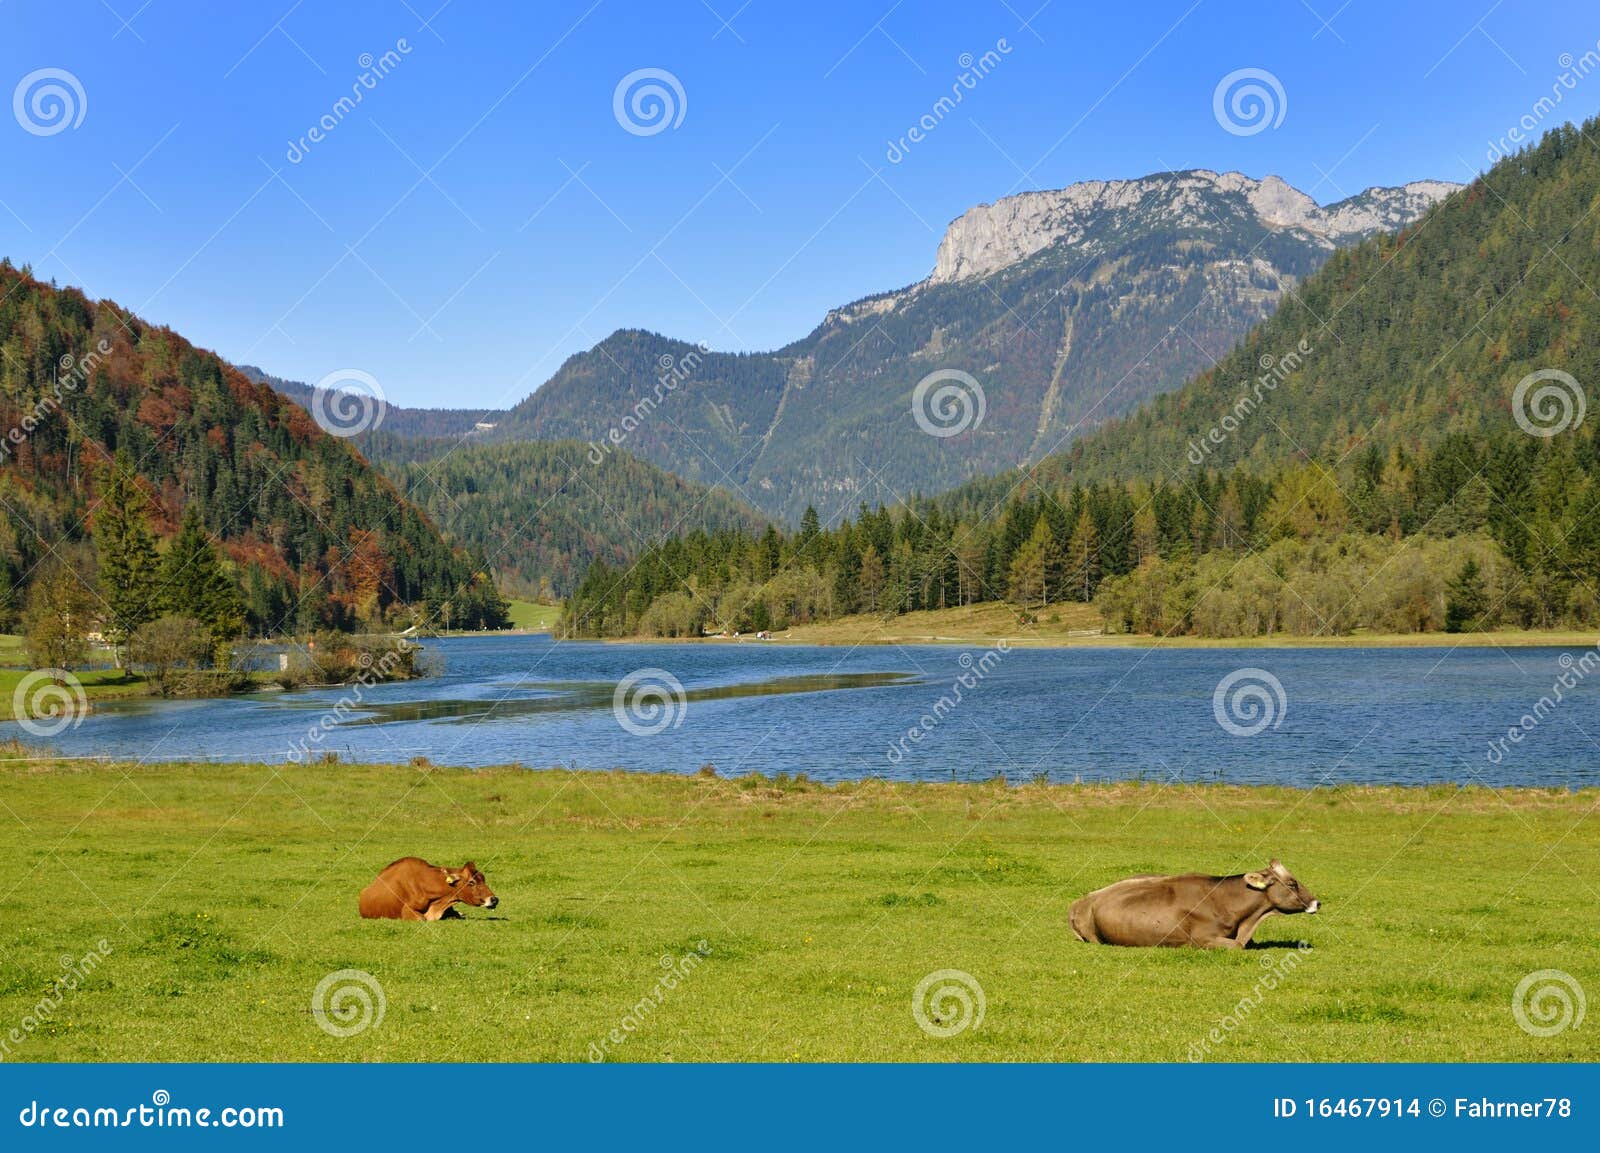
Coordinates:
[1065,309]
[419,422]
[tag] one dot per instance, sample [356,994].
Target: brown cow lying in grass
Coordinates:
[1207,912]
[410,889]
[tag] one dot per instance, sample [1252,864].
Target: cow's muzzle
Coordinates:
[491,902]
[1314,906]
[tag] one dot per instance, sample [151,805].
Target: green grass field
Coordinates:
[97,684]
[533,616]
[225,894]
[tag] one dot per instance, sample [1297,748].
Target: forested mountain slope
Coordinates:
[540,513]
[1412,337]
[314,535]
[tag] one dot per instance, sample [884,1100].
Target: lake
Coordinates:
[1284,716]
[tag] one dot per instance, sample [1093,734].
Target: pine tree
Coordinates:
[872,578]
[129,566]
[1465,600]
[194,583]
[1083,558]
[810,525]
[1036,566]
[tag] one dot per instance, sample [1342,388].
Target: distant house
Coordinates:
[483,426]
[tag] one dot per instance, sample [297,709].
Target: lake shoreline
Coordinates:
[1555,638]
[46,762]
[1080,626]
[755,782]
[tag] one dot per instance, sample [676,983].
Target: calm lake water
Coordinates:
[1342,716]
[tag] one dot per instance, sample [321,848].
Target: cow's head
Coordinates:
[1286,894]
[470,887]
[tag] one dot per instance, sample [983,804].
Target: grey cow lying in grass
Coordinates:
[1193,909]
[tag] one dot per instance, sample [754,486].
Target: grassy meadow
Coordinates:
[225,894]
[531,616]
[97,684]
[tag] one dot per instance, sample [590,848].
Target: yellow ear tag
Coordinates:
[451,879]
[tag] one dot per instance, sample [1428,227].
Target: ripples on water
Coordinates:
[1348,715]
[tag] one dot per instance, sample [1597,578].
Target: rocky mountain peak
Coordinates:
[990,237]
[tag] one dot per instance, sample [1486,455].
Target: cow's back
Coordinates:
[394,889]
[1082,914]
[1149,909]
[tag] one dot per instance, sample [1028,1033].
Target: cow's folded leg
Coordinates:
[407,913]
[438,909]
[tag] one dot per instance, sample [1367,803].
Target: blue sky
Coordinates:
[482,213]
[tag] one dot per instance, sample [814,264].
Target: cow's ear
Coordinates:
[1256,880]
[451,879]
[469,868]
